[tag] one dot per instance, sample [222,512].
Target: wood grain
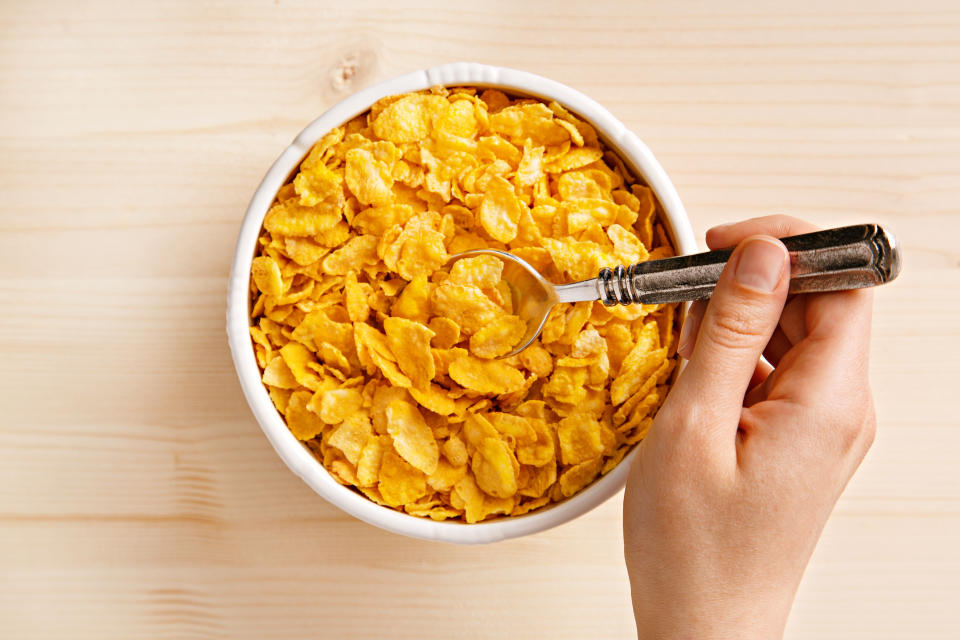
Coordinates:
[138,497]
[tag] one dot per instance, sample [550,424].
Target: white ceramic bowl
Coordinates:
[637,157]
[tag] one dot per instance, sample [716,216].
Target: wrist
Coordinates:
[712,615]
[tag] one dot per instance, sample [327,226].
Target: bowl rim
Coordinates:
[295,455]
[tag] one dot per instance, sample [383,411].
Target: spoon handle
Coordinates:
[863,255]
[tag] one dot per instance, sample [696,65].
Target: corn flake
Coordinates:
[266,274]
[400,483]
[409,342]
[494,468]
[466,305]
[303,423]
[351,436]
[412,438]
[580,439]
[498,337]
[486,376]
[500,210]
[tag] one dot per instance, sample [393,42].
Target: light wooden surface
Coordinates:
[138,497]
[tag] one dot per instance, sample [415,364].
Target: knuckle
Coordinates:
[868,427]
[781,225]
[859,429]
[869,435]
[688,442]
[848,434]
[733,329]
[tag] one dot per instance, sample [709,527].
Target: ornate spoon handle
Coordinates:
[863,255]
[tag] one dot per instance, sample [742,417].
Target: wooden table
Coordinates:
[138,497]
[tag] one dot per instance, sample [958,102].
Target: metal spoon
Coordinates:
[830,260]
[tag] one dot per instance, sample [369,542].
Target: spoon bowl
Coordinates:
[533,296]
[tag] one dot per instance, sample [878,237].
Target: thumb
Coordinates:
[739,320]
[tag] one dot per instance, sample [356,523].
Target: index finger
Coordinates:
[838,336]
[778,226]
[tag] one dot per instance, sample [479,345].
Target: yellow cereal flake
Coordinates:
[383,397]
[466,305]
[412,438]
[531,121]
[486,376]
[498,338]
[316,184]
[293,219]
[567,385]
[530,168]
[351,435]
[580,439]
[539,479]
[303,423]
[573,159]
[368,464]
[336,405]
[334,236]
[500,210]
[446,332]
[517,430]
[476,504]
[494,468]
[356,298]
[578,476]
[304,251]
[480,271]
[359,251]
[446,475]
[297,356]
[408,119]
[376,220]
[638,365]
[543,450]
[266,275]
[414,300]
[317,327]
[423,252]
[278,374]
[455,451]
[435,398]
[369,179]
[530,505]
[400,483]
[628,247]
[409,342]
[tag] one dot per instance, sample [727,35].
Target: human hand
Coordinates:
[744,463]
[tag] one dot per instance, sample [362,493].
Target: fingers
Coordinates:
[778,226]
[688,335]
[777,347]
[758,384]
[736,326]
[835,351]
[760,373]
[792,329]
[793,320]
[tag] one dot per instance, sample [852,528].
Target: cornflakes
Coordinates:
[388,361]
[409,342]
[486,376]
[498,337]
[412,437]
